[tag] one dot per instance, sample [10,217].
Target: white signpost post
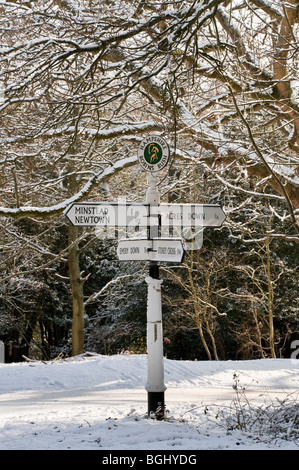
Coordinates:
[153,155]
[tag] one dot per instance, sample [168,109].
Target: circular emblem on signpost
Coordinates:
[153,153]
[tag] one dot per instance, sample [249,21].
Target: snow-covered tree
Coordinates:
[82,82]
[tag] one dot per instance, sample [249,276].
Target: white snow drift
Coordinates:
[99,402]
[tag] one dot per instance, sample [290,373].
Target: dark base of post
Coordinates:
[156,405]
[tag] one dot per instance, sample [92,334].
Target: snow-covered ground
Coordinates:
[99,402]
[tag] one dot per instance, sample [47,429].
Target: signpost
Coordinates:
[107,214]
[119,214]
[192,215]
[153,156]
[153,153]
[169,250]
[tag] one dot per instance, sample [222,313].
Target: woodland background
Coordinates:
[82,83]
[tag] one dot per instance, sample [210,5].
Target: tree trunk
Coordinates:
[76,282]
[77,293]
[270,300]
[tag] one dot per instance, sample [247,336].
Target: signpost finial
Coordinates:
[153,153]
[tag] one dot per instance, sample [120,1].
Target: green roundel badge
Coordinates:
[153,153]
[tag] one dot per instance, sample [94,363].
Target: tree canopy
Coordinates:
[82,83]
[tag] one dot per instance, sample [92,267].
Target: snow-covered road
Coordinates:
[99,402]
